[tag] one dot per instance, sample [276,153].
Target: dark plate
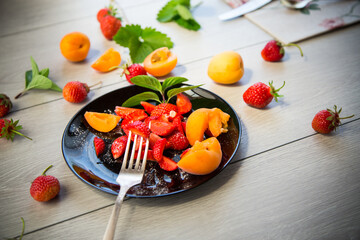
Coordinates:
[101,173]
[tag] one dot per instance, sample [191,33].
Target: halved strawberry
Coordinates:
[123,112]
[161,128]
[178,141]
[99,145]
[183,103]
[164,109]
[147,120]
[138,128]
[147,106]
[159,149]
[167,164]
[150,155]
[178,123]
[118,147]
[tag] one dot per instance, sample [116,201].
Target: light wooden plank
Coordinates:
[293,192]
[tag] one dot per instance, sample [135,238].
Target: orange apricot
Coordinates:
[102,122]
[75,46]
[105,62]
[160,62]
[203,158]
[196,125]
[218,122]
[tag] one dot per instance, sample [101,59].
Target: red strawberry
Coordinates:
[8,129]
[99,145]
[153,138]
[45,187]
[260,95]
[118,147]
[327,120]
[138,128]
[162,128]
[274,50]
[178,141]
[5,105]
[150,155]
[183,103]
[178,123]
[147,106]
[159,149]
[102,13]
[167,164]
[133,70]
[109,26]
[75,92]
[166,111]
[130,113]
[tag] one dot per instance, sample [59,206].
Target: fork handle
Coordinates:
[110,229]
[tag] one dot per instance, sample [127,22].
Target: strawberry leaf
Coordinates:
[147,82]
[141,42]
[173,92]
[135,100]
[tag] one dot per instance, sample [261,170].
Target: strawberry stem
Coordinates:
[46,170]
[22,229]
[99,82]
[19,133]
[293,44]
[274,91]
[20,94]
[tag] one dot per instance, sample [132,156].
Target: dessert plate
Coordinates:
[101,173]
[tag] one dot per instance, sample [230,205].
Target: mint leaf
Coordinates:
[28,77]
[34,67]
[141,42]
[173,92]
[184,12]
[147,82]
[168,12]
[40,82]
[171,81]
[135,100]
[190,24]
[45,72]
[55,87]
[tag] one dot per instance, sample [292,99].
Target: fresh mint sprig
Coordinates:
[155,85]
[38,79]
[179,11]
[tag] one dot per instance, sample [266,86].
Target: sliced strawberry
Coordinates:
[163,109]
[178,141]
[118,147]
[184,152]
[137,115]
[99,145]
[183,103]
[167,164]
[150,155]
[147,120]
[123,112]
[159,149]
[147,106]
[161,128]
[153,139]
[138,128]
[184,126]
[178,123]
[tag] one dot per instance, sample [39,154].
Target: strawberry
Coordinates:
[167,164]
[260,95]
[274,50]
[8,129]
[150,155]
[130,113]
[138,128]
[147,106]
[45,187]
[133,70]
[158,149]
[183,103]
[153,138]
[178,141]
[75,92]
[327,120]
[118,147]
[178,124]
[102,13]
[166,111]
[5,105]
[99,145]
[162,128]
[109,26]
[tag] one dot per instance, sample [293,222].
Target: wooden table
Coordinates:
[286,181]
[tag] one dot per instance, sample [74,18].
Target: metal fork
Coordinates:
[129,176]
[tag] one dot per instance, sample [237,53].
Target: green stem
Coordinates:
[293,44]
[46,170]
[20,94]
[347,117]
[23,228]
[19,133]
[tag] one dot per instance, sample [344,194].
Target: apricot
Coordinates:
[203,158]
[75,46]
[218,122]
[226,67]
[102,122]
[108,60]
[160,62]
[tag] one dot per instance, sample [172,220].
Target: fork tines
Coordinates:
[130,164]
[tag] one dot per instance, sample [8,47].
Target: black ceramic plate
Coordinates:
[101,173]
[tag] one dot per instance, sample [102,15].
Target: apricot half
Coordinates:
[226,67]
[160,62]
[218,122]
[203,158]
[102,122]
[107,61]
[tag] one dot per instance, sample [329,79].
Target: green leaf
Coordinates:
[141,42]
[173,92]
[40,82]
[168,12]
[45,72]
[28,77]
[55,87]
[184,12]
[171,81]
[34,66]
[135,100]
[147,82]
[190,24]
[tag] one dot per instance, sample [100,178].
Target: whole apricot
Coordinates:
[160,62]
[226,67]
[75,46]
[203,158]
